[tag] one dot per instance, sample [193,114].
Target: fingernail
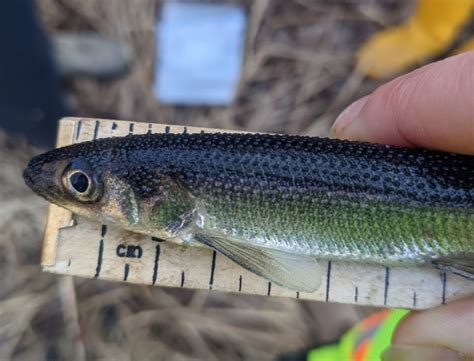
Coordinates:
[347,117]
[420,353]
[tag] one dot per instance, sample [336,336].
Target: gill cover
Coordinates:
[119,202]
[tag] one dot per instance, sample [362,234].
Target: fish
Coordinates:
[274,204]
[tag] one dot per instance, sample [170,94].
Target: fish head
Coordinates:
[86,181]
[111,185]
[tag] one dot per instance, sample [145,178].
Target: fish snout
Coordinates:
[28,178]
[36,177]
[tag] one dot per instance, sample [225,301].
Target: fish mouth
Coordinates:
[36,184]
[31,180]
[28,179]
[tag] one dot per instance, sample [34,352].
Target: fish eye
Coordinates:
[80,185]
[79,181]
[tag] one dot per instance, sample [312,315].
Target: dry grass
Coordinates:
[297,77]
[298,72]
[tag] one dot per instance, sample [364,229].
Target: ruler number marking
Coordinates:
[129,251]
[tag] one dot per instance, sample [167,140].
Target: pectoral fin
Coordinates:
[461,265]
[296,272]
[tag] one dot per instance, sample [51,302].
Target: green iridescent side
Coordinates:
[341,227]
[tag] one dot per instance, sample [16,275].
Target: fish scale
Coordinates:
[374,233]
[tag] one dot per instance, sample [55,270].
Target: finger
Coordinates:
[420,353]
[432,107]
[449,326]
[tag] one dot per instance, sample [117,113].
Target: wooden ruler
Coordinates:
[80,247]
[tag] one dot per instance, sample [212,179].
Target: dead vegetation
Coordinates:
[297,77]
[298,67]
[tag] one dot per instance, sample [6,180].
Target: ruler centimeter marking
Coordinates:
[100,256]
[328,280]
[213,269]
[126,271]
[99,259]
[443,288]
[132,254]
[96,129]
[78,129]
[156,264]
[386,285]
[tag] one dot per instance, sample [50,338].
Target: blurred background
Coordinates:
[285,66]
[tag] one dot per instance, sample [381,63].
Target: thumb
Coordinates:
[442,333]
[431,107]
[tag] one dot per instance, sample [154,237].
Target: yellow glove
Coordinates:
[430,31]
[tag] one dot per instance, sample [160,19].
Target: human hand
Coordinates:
[443,333]
[432,107]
